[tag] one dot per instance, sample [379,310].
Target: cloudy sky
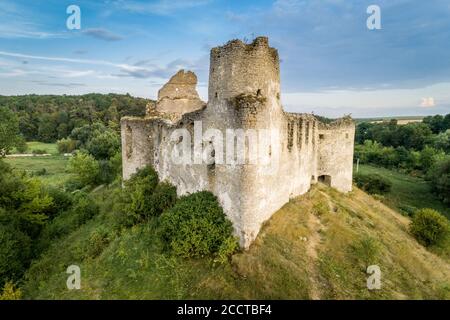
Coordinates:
[332,63]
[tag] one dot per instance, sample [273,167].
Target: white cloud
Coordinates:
[428,102]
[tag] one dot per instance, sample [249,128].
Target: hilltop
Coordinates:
[317,246]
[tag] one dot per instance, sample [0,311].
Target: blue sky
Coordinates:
[331,63]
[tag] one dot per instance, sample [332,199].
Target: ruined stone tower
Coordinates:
[240,145]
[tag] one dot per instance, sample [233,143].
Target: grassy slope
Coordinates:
[316,246]
[407,190]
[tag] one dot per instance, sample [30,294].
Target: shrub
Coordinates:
[41,172]
[39,151]
[163,198]
[407,210]
[196,226]
[84,209]
[21,145]
[85,167]
[373,183]
[15,253]
[140,188]
[66,145]
[429,227]
[62,200]
[10,292]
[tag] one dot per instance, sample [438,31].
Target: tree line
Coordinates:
[421,149]
[48,118]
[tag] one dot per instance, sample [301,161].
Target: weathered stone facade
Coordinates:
[244,96]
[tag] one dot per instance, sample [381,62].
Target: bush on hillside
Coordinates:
[66,145]
[15,253]
[373,183]
[196,226]
[429,227]
[140,188]
[83,209]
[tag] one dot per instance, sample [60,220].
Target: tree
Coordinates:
[9,131]
[103,145]
[439,175]
[85,167]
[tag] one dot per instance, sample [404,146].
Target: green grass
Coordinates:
[351,232]
[55,167]
[48,147]
[407,191]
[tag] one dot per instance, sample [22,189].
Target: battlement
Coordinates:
[239,68]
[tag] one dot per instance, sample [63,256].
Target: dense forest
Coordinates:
[48,118]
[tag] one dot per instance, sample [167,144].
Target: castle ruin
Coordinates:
[243,97]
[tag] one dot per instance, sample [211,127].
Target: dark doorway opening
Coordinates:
[325,180]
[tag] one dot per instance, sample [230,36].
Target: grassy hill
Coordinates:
[317,246]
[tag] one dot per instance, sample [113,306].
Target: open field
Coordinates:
[55,167]
[407,191]
[50,148]
[400,120]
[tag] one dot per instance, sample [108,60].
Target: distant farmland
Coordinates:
[400,120]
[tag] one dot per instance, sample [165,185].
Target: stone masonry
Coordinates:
[243,98]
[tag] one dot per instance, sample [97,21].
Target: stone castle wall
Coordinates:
[244,95]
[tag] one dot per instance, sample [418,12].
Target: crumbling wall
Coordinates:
[244,96]
[179,95]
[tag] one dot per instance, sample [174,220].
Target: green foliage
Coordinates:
[83,209]
[438,123]
[389,134]
[21,145]
[48,118]
[10,292]
[147,197]
[15,253]
[196,226]
[9,131]
[429,227]
[62,200]
[373,183]
[85,167]
[439,176]
[103,145]
[66,145]
[141,198]
[163,198]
